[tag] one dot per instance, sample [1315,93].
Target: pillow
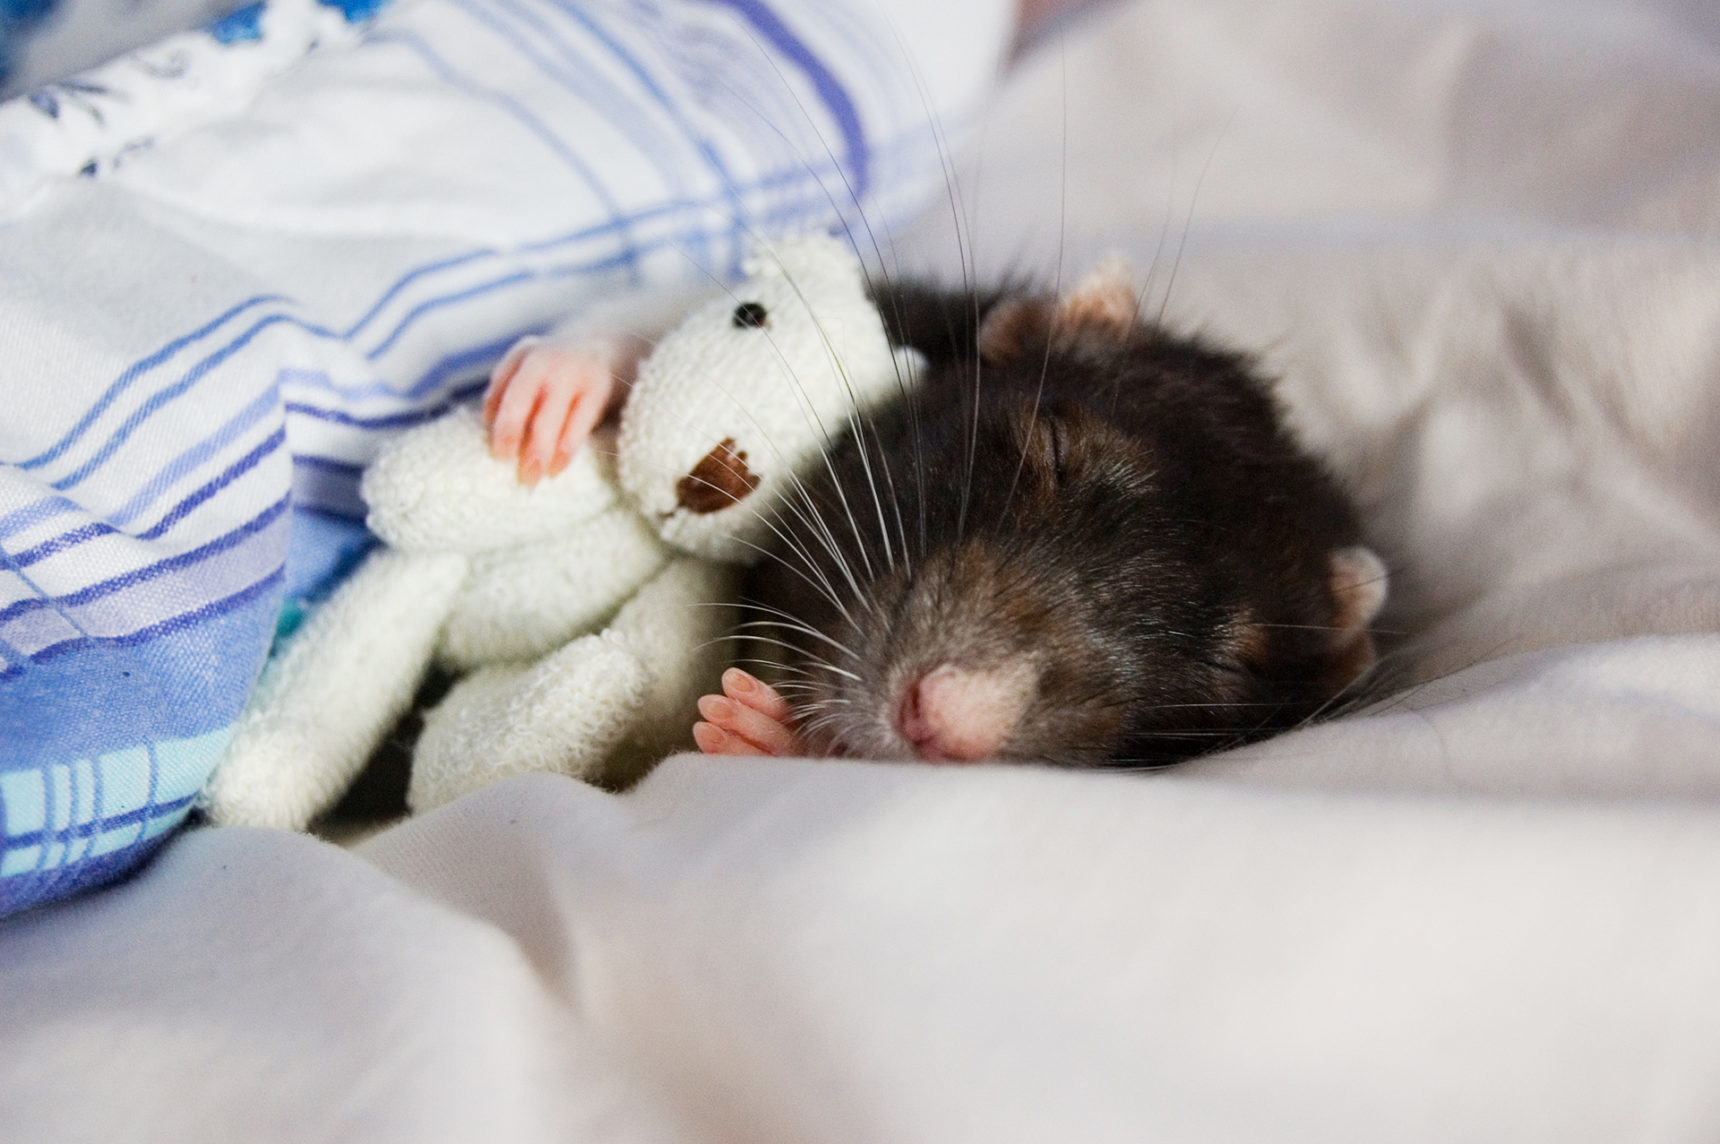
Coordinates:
[43,40]
[233,264]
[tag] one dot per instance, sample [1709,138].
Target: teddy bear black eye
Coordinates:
[750,315]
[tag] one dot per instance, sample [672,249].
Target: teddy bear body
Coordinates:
[587,612]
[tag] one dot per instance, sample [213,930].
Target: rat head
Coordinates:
[748,389]
[1105,549]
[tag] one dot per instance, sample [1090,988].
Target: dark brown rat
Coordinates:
[1079,539]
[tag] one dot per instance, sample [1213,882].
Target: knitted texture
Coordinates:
[587,641]
[325,703]
[564,713]
[782,364]
[438,489]
[521,603]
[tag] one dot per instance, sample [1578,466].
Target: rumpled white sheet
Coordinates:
[1477,241]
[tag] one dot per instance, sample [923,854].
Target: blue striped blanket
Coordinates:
[233,263]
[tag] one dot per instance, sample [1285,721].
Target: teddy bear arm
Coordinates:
[523,603]
[325,703]
[438,489]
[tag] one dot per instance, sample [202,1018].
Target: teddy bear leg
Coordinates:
[676,625]
[564,714]
[324,704]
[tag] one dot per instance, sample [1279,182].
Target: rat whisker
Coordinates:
[804,630]
[814,660]
[771,664]
[797,688]
[821,585]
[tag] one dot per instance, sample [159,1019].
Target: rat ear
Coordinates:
[1358,584]
[1011,326]
[1103,307]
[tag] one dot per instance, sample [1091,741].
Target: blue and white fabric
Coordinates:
[46,40]
[233,264]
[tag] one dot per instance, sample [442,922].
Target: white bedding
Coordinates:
[1476,241]
[236,263]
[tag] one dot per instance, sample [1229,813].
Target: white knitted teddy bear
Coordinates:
[586,611]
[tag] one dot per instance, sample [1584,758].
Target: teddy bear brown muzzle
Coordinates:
[720,479]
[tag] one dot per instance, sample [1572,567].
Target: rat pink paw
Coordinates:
[544,400]
[749,718]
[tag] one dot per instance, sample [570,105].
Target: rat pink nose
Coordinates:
[954,715]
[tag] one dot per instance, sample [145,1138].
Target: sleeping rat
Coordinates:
[1079,540]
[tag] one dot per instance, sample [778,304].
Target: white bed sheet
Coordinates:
[1477,242]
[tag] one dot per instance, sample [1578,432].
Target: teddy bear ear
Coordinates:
[909,363]
[804,259]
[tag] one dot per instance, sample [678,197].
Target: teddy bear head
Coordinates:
[749,389]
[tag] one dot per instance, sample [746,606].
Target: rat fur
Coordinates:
[1079,540]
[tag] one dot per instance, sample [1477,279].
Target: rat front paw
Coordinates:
[544,399]
[749,718]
